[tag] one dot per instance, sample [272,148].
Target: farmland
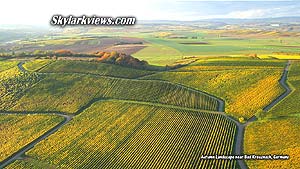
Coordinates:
[70,92]
[19,130]
[286,107]
[103,69]
[256,142]
[8,69]
[283,118]
[4,65]
[166,50]
[200,92]
[13,84]
[141,130]
[236,80]
[36,65]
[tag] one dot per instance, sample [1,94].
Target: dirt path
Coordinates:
[18,155]
[241,127]
[20,66]
[239,139]
[283,83]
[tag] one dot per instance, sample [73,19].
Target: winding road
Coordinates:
[238,139]
[241,127]
[19,153]
[286,87]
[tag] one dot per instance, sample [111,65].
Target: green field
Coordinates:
[116,134]
[13,85]
[162,51]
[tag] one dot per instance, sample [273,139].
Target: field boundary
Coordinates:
[284,83]
[17,155]
[238,140]
[221,103]
[68,117]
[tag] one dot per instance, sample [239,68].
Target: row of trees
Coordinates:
[107,57]
[121,59]
[43,53]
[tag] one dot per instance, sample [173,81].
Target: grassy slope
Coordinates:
[278,133]
[19,130]
[217,46]
[246,85]
[101,134]
[159,54]
[94,68]
[70,92]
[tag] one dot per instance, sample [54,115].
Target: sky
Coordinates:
[39,12]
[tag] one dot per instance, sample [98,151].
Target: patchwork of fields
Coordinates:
[95,68]
[246,85]
[122,117]
[281,128]
[132,135]
[164,50]
[70,92]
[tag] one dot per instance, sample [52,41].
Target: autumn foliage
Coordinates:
[120,59]
[63,52]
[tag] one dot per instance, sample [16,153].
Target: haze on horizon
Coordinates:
[35,12]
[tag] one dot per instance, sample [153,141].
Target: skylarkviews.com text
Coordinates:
[59,20]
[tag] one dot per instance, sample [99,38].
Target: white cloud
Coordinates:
[254,13]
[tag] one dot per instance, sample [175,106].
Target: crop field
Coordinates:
[159,54]
[274,136]
[8,69]
[284,118]
[162,51]
[13,84]
[131,135]
[36,64]
[79,44]
[287,106]
[69,92]
[203,89]
[235,80]
[19,130]
[103,69]
[4,65]
[9,73]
